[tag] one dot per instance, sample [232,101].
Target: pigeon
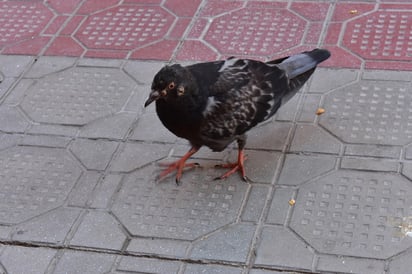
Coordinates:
[215,103]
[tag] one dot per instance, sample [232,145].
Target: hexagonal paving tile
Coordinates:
[21,20]
[34,180]
[256,31]
[196,207]
[354,213]
[381,35]
[373,112]
[125,27]
[78,95]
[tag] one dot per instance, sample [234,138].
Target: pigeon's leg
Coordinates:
[239,166]
[179,165]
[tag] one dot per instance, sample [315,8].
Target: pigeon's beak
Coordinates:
[154,95]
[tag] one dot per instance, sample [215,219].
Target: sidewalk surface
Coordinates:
[79,153]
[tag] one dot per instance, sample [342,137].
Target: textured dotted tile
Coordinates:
[375,112]
[381,35]
[125,27]
[196,207]
[255,31]
[34,180]
[77,96]
[21,20]
[354,213]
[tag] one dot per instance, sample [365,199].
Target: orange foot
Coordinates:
[238,166]
[179,165]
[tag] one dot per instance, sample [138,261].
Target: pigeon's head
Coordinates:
[170,83]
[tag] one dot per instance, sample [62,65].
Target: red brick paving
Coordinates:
[376,35]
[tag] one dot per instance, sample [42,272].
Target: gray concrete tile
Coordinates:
[14,65]
[105,190]
[308,109]
[195,208]
[143,72]
[369,164]
[51,227]
[162,247]
[26,260]
[99,230]
[111,127]
[84,262]
[5,233]
[400,264]
[45,141]
[5,85]
[255,203]
[136,155]
[34,181]
[148,265]
[288,111]
[136,101]
[149,128]
[310,138]
[350,265]
[12,120]
[280,206]
[270,136]
[60,130]
[77,96]
[266,271]
[9,140]
[97,62]
[94,154]
[378,151]
[370,112]
[281,248]
[354,213]
[49,64]
[261,166]
[81,193]
[232,243]
[390,75]
[211,269]
[310,166]
[321,83]
[18,92]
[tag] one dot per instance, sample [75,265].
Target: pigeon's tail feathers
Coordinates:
[301,63]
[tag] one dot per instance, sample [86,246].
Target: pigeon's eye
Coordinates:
[172,85]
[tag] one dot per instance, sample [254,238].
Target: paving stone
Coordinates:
[111,127]
[354,213]
[134,156]
[148,265]
[11,120]
[199,205]
[136,101]
[94,154]
[310,138]
[340,78]
[14,66]
[100,230]
[369,164]
[298,169]
[162,247]
[5,85]
[17,259]
[77,96]
[255,203]
[261,271]
[98,62]
[280,206]
[288,111]
[84,262]
[372,112]
[389,75]
[62,130]
[400,264]
[143,72]
[261,166]
[229,244]
[105,190]
[82,191]
[309,107]
[9,140]
[47,65]
[5,233]
[52,227]
[350,265]
[270,136]
[18,92]
[280,247]
[34,180]
[149,128]
[211,269]
[374,151]
[45,141]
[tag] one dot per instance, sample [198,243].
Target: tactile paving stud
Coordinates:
[125,27]
[34,180]
[354,213]
[254,31]
[381,35]
[196,207]
[377,112]
[77,96]
[21,20]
